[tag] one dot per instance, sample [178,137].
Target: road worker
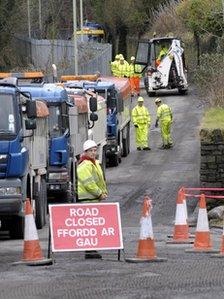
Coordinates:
[114,64]
[162,54]
[141,120]
[91,183]
[134,76]
[123,68]
[164,119]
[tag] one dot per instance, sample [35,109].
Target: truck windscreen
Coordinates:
[55,121]
[7,114]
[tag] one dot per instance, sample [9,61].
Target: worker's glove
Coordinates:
[136,126]
[156,124]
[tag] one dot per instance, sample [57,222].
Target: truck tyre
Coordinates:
[16,230]
[41,205]
[182,91]
[151,93]
[114,160]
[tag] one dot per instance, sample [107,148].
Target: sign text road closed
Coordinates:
[85,226]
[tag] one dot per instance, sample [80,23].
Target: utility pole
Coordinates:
[40,18]
[28,18]
[81,19]
[223,10]
[75,37]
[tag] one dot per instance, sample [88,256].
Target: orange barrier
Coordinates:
[32,253]
[146,246]
[202,241]
[181,229]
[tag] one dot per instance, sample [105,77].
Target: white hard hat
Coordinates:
[89,144]
[132,57]
[158,100]
[140,99]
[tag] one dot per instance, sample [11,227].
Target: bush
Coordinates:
[209,78]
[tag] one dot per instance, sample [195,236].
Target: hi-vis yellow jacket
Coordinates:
[133,68]
[141,116]
[91,183]
[164,113]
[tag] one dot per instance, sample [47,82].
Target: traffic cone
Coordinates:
[181,229]
[202,242]
[221,253]
[146,247]
[32,253]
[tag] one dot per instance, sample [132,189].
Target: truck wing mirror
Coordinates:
[93,104]
[93,117]
[30,124]
[31,109]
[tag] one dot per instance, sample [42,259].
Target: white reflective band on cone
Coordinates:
[180,217]
[146,228]
[30,229]
[202,224]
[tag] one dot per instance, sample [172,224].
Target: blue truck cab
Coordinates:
[60,159]
[18,138]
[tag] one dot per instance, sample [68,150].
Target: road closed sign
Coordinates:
[78,227]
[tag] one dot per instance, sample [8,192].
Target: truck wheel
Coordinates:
[182,91]
[125,147]
[114,160]
[41,205]
[151,93]
[16,230]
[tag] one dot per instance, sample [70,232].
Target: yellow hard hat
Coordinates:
[117,56]
[158,100]
[121,56]
[132,57]
[140,99]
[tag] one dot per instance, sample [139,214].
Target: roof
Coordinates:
[49,92]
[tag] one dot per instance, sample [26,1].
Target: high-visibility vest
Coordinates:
[91,183]
[140,116]
[164,112]
[133,68]
[114,66]
[123,70]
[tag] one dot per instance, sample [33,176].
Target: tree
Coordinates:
[123,18]
[202,17]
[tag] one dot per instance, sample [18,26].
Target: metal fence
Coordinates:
[41,54]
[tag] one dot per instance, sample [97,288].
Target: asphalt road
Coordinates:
[158,173]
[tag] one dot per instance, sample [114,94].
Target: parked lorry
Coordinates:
[163,62]
[97,129]
[117,93]
[68,128]
[23,157]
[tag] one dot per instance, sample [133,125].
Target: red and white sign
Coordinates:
[78,227]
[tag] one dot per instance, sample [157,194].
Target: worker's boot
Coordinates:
[147,148]
[162,147]
[139,148]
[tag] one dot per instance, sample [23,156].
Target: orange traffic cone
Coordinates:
[181,229]
[146,246]
[221,253]
[202,241]
[32,253]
